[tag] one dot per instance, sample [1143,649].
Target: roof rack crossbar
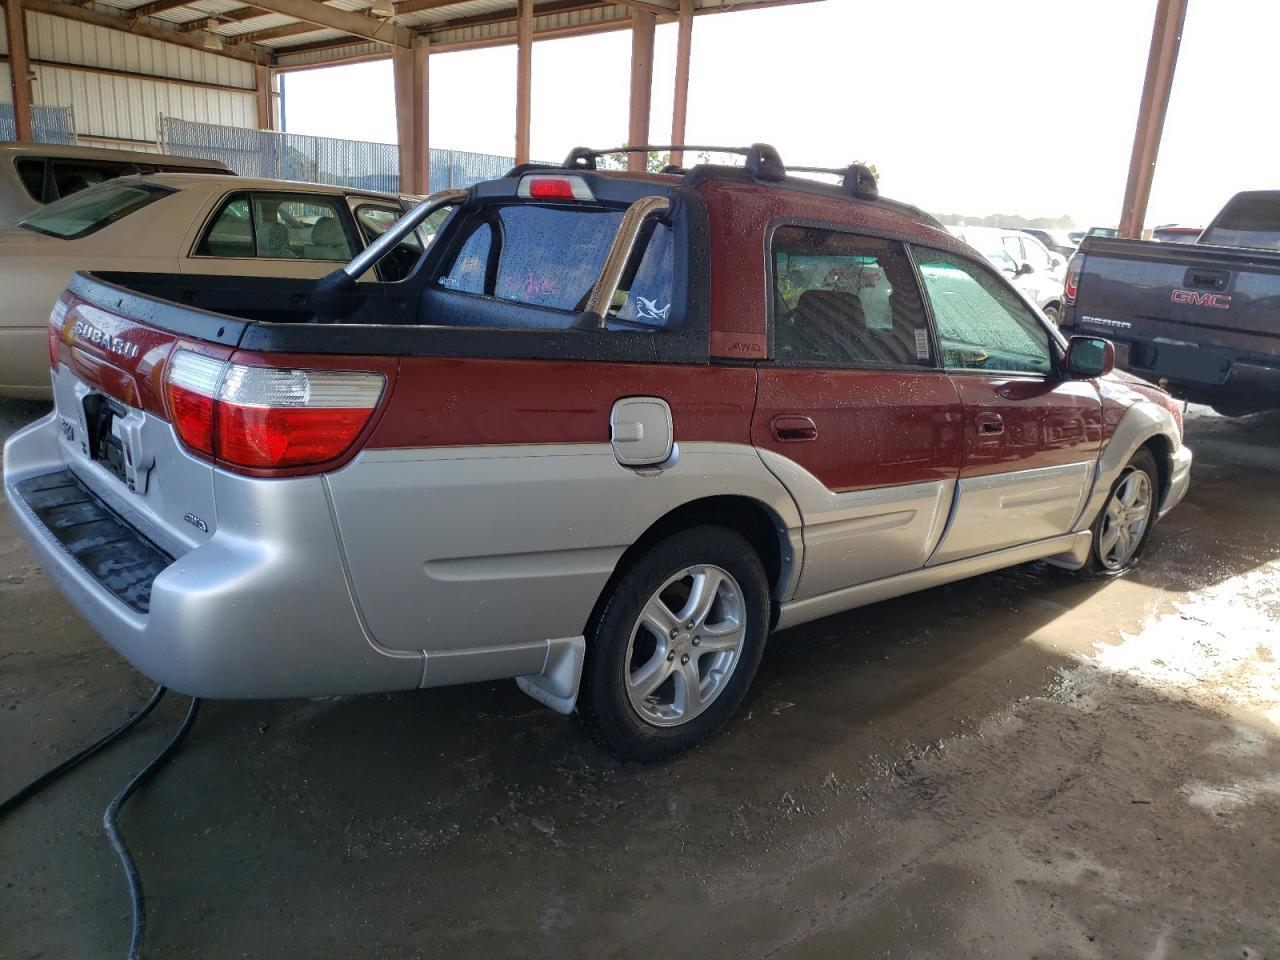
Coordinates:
[762,159]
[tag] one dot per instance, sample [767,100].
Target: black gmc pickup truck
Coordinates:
[1202,319]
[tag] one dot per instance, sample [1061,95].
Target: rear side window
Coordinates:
[31,173]
[1250,220]
[91,210]
[845,300]
[551,256]
[981,322]
[72,176]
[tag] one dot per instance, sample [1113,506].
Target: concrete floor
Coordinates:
[1019,765]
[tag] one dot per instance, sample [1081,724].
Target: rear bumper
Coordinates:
[261,609]
[1205,375]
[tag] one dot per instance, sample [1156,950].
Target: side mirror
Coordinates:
[1090,357]
[1024,268]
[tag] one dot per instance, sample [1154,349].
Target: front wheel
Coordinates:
[676,645]
[1123,527]
[1054,313]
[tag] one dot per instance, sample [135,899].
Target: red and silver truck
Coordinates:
[610,432]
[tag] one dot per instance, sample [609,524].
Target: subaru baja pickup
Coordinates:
[610,432]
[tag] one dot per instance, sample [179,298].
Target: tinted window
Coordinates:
[91,210]
[275,226]
[1250,220]
[845,300]
[31,172]
[551,257]
[981,322]
[72,176]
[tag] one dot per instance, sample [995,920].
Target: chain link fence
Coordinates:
[48,124]
[295,156]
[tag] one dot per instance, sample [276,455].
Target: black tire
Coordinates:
[1096,567]
[604,709]
[1054,314]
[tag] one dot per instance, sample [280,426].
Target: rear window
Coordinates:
[90,210]
[1249,220]
[551,256]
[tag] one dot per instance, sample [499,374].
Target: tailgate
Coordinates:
[1186,299]
[113,426]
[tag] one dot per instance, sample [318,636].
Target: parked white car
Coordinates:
[1037,273]
[181,224]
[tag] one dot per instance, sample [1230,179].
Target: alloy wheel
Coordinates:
[1125,519]
[685,645]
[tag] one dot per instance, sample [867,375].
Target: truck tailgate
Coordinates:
[1188,312]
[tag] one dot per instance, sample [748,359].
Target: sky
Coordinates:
[972,107]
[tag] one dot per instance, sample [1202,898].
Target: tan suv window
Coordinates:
[274,226]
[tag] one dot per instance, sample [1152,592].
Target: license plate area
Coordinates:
[113,439]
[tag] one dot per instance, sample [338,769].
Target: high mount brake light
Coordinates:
[554,187]
[268,417]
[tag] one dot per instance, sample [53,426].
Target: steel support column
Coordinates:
[524,79]
[643,25]
[19,68]
[411,67]
[264,80]
[1166,36]
[684,49]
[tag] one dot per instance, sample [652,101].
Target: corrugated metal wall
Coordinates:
[124,110]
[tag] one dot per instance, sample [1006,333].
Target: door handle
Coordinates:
[989,424]
[1201,278]
[793,429]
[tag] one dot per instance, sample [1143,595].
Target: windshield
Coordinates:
[90,210]
[1249,220]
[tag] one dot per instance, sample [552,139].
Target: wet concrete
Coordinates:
[1019,765]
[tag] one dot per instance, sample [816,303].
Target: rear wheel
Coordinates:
[676,645]
[1054,313]
[1123,527]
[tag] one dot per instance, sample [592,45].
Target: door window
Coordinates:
[1013,247]
[275,226]
[845,300]
[981,322]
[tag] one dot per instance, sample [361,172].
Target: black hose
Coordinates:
[117,839]
[42,781]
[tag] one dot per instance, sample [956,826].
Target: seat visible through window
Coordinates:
[846,300]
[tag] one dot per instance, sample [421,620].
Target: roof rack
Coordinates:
[762,159]
[763,162]
[856,178]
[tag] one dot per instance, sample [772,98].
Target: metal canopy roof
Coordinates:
[310,33]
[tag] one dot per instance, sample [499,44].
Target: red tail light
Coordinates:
[56,320]
[1071,284]
[268,417]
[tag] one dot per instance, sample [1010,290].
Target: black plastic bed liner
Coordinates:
[114,553]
